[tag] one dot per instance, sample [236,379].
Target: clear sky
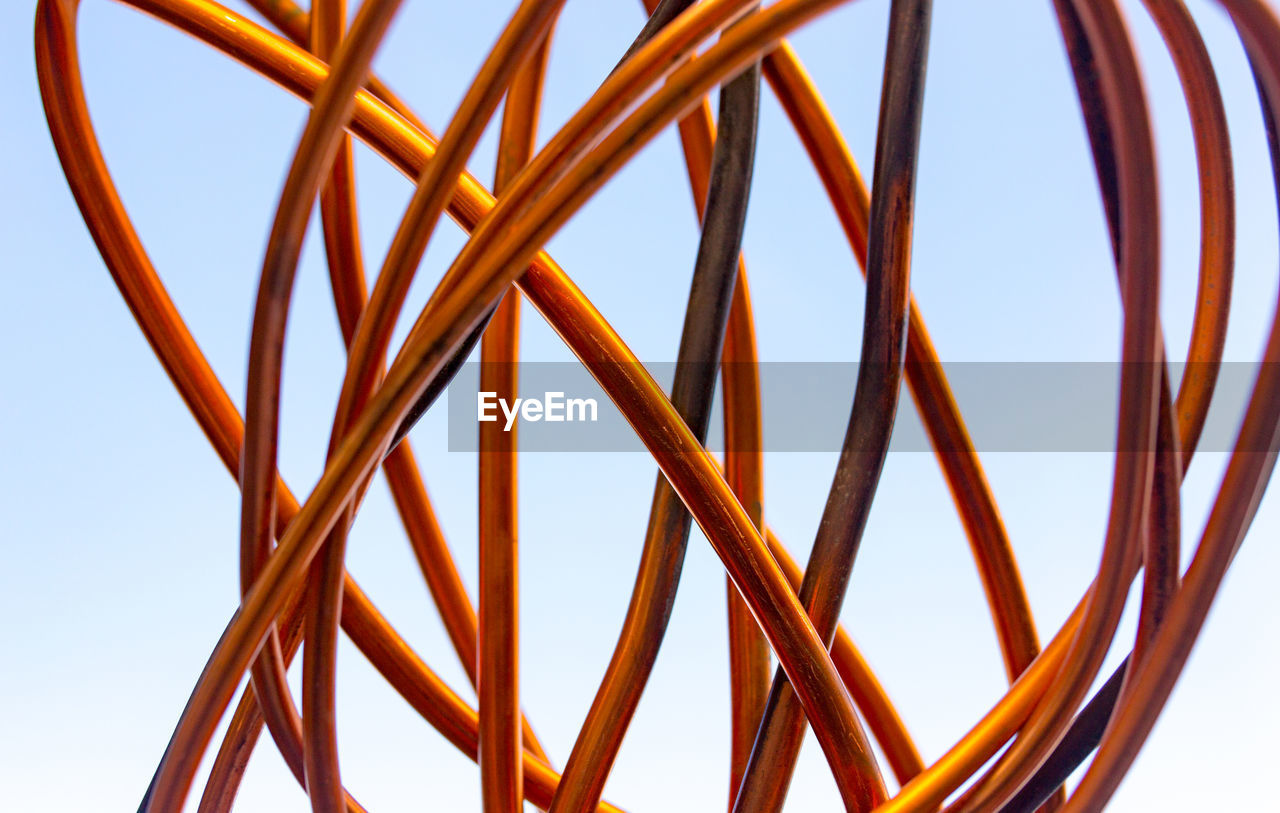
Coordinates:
[120,536]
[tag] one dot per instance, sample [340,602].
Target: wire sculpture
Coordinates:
[294,584]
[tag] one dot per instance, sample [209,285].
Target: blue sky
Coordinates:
[121,526]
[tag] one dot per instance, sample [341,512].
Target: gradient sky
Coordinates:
[121,531]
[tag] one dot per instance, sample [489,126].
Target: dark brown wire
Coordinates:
[880,373]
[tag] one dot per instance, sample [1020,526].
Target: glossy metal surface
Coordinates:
[296,591]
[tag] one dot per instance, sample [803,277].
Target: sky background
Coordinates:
[120,537]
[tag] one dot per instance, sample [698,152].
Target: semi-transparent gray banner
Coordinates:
[1007,406]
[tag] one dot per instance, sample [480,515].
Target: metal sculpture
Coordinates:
[294,583]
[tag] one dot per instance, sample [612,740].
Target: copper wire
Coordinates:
[295,587]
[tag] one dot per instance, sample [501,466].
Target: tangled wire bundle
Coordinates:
[294,584]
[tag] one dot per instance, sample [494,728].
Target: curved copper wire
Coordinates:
[407,490]
[200,388]
[501,774]
[702,341]
[953,447]
[749,659]
[659,81]
[851,670]
[1141,352]
[793,638]
[866,443]
[743,439]
[1161,546]
[178,352]
[1242,487]
[321,140]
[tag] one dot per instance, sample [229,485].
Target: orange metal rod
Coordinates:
[1139,271]
[434,189]
[498,667]
[741,384]
[711,298]
[364,362]
[317,147]
[393,128]
[369,343]
[294,70]
[1213,156]
[324,588]
[1213,298]
[177,351]
[866,444]
[295,24]
[749,656]
[951,442]
[243,634]
[1217,216]
[1160,573]
[942,420]
[868,695]
[498,670]
[396,126]
[408,492]
[550,199]
[338,194]
[431,551]
[1243,484]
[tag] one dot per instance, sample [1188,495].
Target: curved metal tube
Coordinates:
[290,593]
[666,539]
[866,443]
